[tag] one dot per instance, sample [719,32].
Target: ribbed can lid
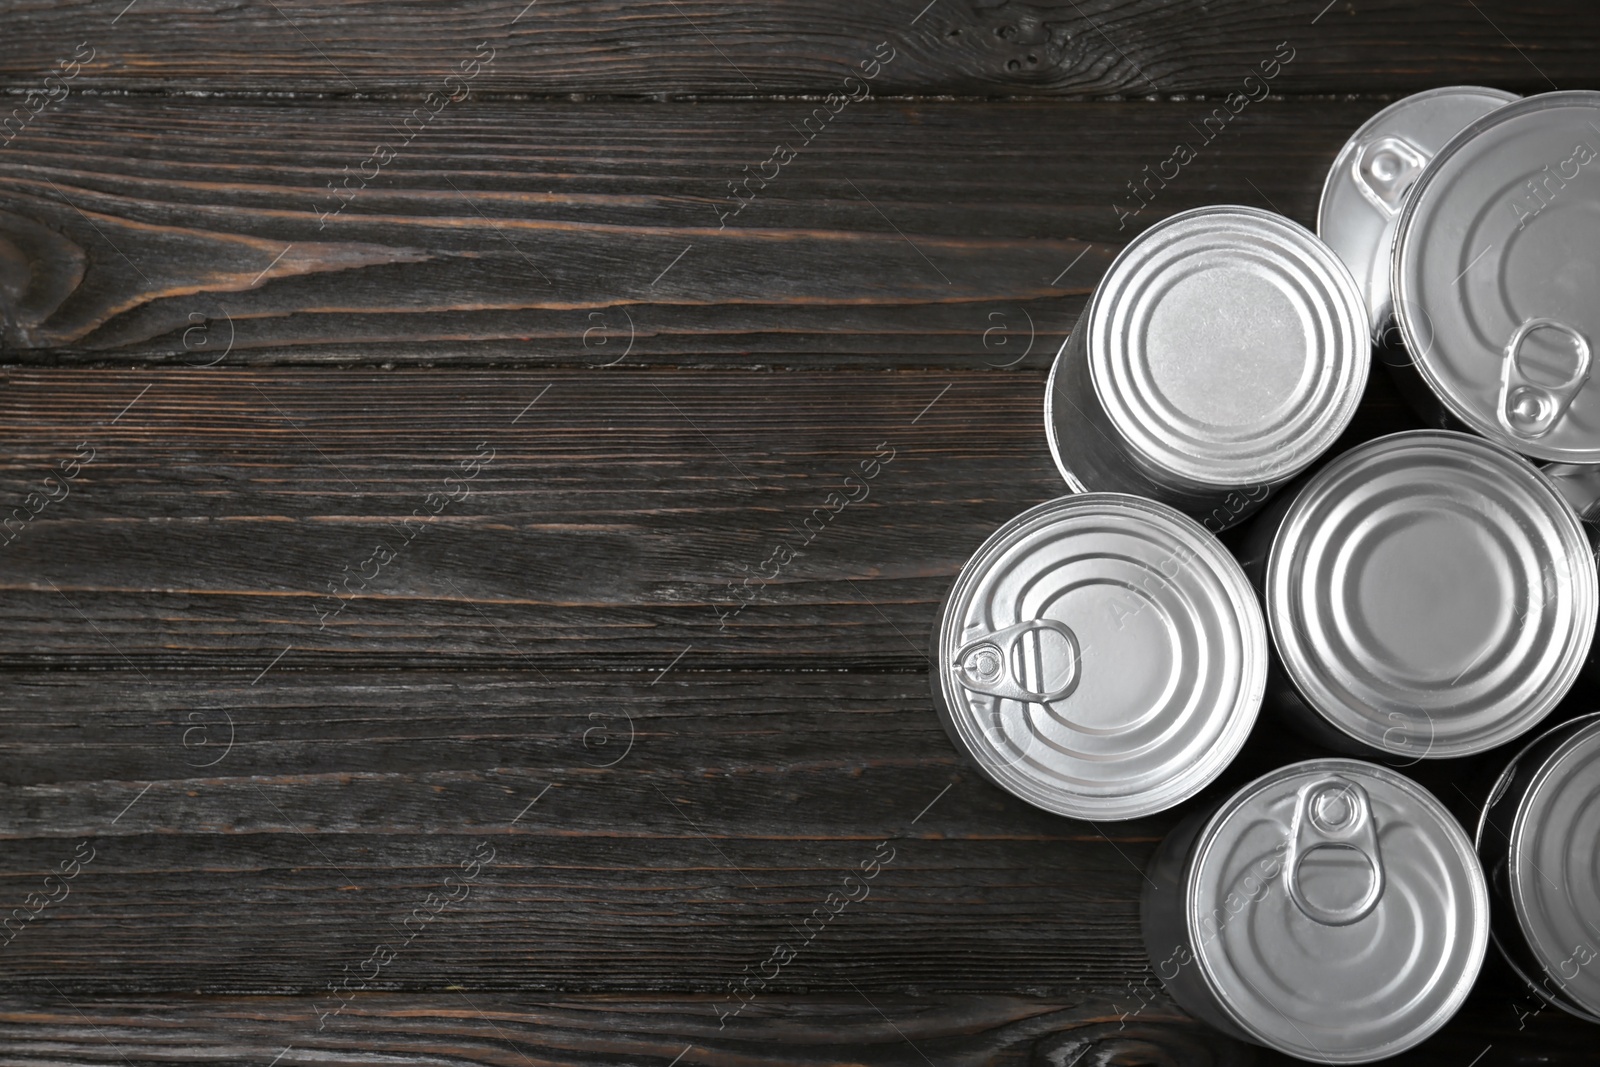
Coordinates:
[1101,656]
[1555,867]
[1367,185]
[1228,345]
[1496,273]
[1338,912]
[1431,594]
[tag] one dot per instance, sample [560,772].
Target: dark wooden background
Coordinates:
[542,272]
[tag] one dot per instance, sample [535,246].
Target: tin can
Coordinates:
[1496,267]
[1429,594]
[1367,185]
[1224,350]
[1332,910]
[1536,838]
[1101,656]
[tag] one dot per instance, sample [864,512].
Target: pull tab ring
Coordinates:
[1334,813]
[1386,169]
[1528,408]
[989,664]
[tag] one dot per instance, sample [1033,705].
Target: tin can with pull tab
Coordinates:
[1539,840]
[1496,266]
[1331,910]
[1429,595]
[1101,656]
[1223,352]
[1370,179]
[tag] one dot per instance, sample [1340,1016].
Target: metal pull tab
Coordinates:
[1386,169]
[997,664]
[1334,814]
[1528,408]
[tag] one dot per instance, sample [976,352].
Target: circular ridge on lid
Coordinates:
[1170,660]
[1370,178]
[1555,866]
[1228,345]
[1495,272]
[1431,594]
[1345,991]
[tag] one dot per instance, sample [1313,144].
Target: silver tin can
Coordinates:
[1496,271]
[1101,656]
[1332,910]
[1225,349]
[1367,185]
[1429,594]
[1539,840]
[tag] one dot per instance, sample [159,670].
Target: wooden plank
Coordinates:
[618,517]
[208,233]
[676,47]
[254,833]
[866,1029]
[474,1027]
[634,834]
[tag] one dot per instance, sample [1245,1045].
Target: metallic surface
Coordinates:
[1225,349]
[1101,656]
[1539,840]
[1332,910]
[1429,594]
[1367,185]
[1496,269]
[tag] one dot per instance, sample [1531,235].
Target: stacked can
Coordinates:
[1427,595]
[1224,351]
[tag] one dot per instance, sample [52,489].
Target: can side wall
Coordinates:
[1101,459]
[1163,922]
[1086,442]
[1493,845]
[1412,386]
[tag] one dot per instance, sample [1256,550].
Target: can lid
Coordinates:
[1367,185]
[1338,912]
[1228,345]
[1555,866]
[1101,656]
[1495,270]
[1431,594]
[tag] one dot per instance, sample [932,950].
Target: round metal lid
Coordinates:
[1337,911]
[1228,345]
[1555,866]
[1431,594]
[1102,656]
[1368,182]
[1496,268]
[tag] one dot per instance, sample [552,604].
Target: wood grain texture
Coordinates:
[1091,1028]
[626,517]
[683,828]
[544,718]
[257,833]
[473,1027]
[203,232]
[711,47]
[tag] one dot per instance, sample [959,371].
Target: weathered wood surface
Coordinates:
[711,47]
[204,232]
[625,518]
[1134,1027]
[644,830]
[546,695]
[685,824]
[474,1027]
